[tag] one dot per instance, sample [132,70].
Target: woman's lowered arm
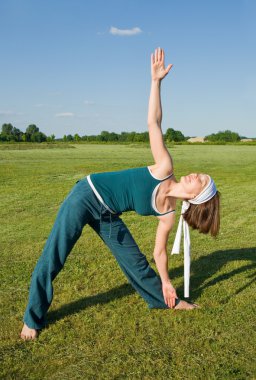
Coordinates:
[165,225]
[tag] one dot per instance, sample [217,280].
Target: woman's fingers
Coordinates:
[167,300]
[168,68]
[161,55]
[170,302]
[156,55]
[169,295]
[159,52]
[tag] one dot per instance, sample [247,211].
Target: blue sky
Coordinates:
[80,66]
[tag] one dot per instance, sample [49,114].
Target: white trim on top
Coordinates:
[153,202]
[98,195]
[159,179]
[153,198]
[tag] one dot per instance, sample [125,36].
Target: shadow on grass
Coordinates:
[81,304]
[203,268]
[206,267]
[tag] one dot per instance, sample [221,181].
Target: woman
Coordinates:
[99,200]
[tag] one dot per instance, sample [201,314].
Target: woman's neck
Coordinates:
[175,190]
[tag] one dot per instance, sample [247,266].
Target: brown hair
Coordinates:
[205,217]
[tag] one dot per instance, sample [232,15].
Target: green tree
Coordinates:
[131,136]
[227,136]
[92,138]
[140,137]
[70,138]
[24,137]
[104,136]
[77,137]
[97,138]
[7,129]
[123,136]
[38,137]
[10,133]
[31,129]
[3,137]
[18,134]
[173,135]
[113,136]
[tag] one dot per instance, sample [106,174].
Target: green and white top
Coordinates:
[128,190]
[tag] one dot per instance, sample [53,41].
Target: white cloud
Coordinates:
[10,113]
[39,105]
[64,114]
[6,113]
[88,103]
[42,105]
[124,32]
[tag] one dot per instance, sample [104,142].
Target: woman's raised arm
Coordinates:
[158,72]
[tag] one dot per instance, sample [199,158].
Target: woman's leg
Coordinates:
[133,263]
[67,228]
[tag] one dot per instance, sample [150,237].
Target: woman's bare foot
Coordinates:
[28,333]
[183,305]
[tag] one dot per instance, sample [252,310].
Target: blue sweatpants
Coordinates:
[81,207]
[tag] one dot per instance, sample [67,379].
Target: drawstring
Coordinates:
[110,219]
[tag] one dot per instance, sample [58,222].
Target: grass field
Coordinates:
[99,328]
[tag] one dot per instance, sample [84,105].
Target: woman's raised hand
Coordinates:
[158,70]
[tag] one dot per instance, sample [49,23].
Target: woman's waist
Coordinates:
[117,199]
[98,196]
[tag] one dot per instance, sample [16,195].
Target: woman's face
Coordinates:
[194,183]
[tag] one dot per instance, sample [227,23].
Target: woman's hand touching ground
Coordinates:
[169,294]
[158,70]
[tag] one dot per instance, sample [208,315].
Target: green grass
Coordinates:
[99,328]
[30,145]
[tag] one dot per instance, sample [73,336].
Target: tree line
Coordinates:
[33,134]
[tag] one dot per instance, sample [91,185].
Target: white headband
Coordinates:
[206,194]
